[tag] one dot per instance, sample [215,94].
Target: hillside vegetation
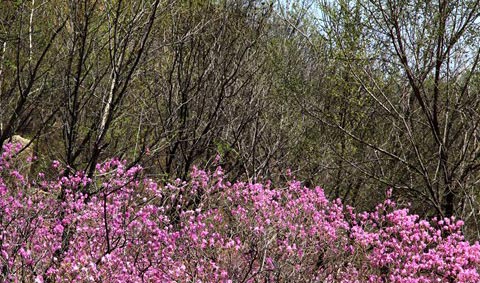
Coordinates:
[359,97]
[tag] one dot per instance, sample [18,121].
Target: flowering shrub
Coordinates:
[121,227]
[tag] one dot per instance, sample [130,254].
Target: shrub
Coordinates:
[123,227]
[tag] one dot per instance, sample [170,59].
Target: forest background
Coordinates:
[355,96]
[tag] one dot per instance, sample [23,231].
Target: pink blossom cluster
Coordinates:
[123,227]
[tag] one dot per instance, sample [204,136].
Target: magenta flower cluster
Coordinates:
[129,228]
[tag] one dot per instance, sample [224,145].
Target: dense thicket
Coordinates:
[132,229]
[353,95]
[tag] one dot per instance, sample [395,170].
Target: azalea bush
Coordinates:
[123,227]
